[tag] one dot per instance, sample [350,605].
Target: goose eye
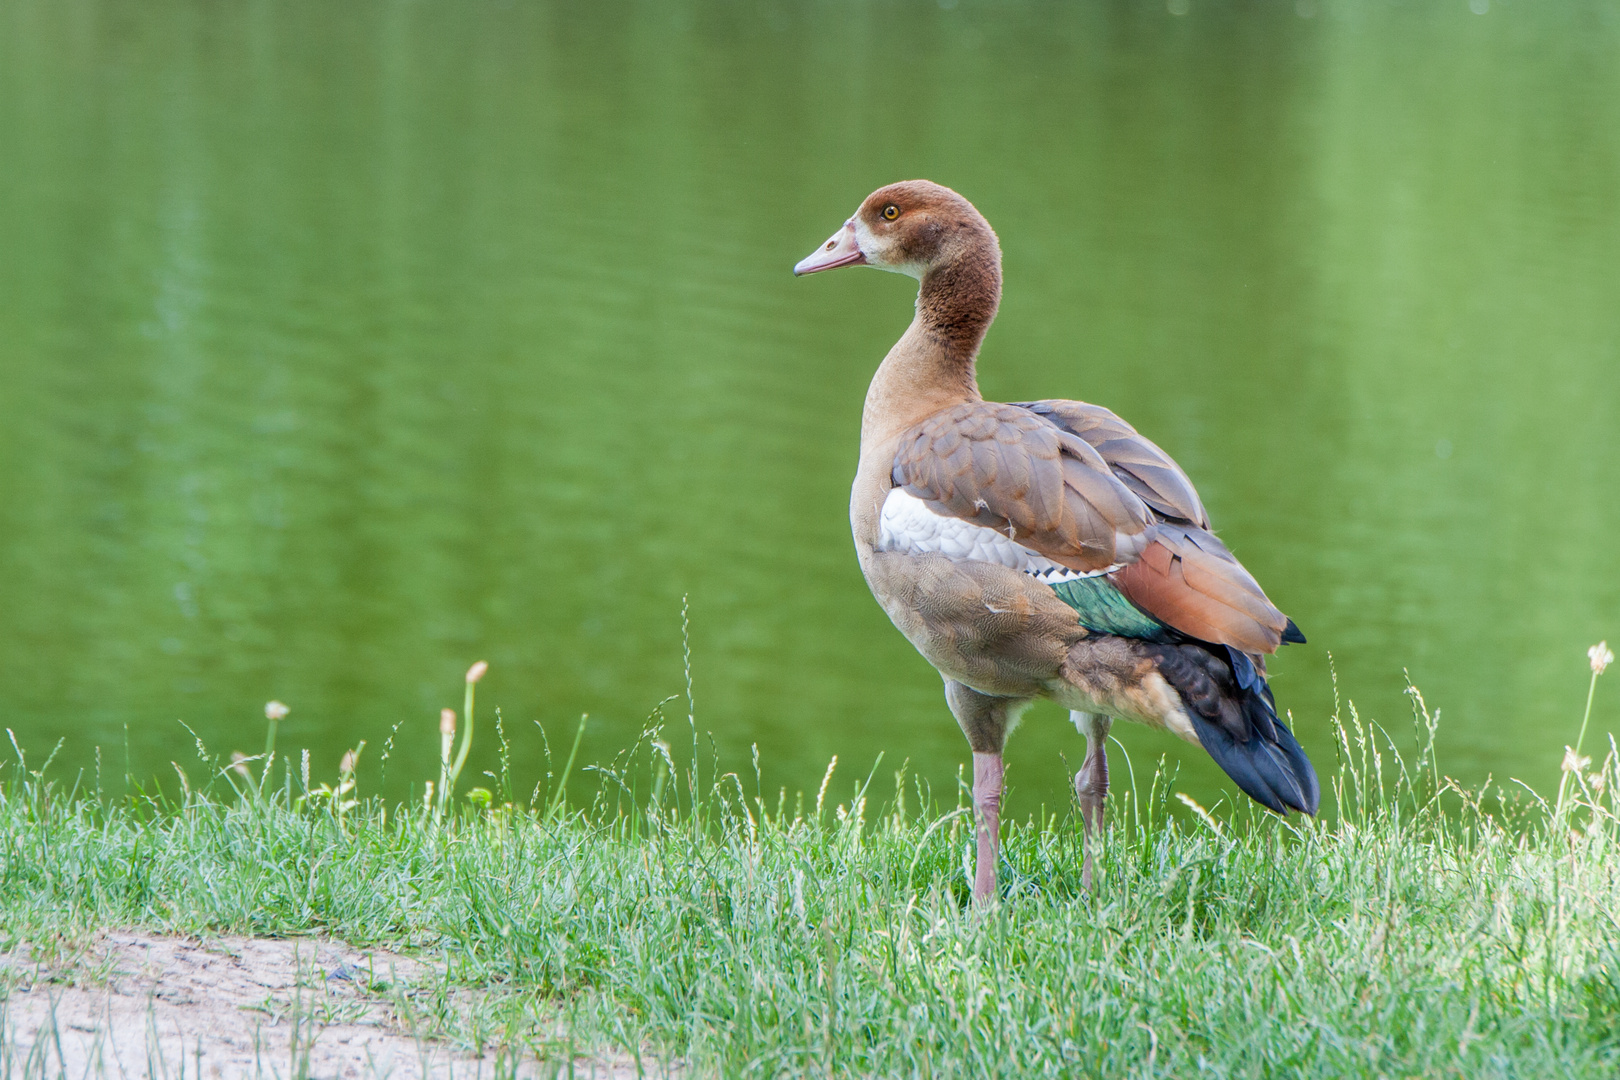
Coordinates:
[891,212]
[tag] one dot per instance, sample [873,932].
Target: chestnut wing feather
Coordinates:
[1189,580]
[1009,469]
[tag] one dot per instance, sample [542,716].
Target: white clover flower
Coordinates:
[275,710]
[476,672]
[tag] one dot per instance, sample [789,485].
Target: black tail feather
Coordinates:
[1235,718]
[1258,708]
[1274,773]
[1243,668]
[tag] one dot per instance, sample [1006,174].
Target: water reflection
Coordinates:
[345,345]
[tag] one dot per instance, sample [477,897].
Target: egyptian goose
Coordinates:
[1045,549]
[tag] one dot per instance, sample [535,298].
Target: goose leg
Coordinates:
[987,773]
[985,720]
[1091,783]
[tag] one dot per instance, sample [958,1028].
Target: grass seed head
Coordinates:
[1601,656]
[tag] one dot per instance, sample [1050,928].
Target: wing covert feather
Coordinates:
[1147,471]
[1009,469]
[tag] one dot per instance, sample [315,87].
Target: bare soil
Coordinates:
[141,1005]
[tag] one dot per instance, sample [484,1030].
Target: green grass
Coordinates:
[1418,930]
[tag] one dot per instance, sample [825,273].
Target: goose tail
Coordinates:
[1235,717]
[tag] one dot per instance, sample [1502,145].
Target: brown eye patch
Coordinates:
[891,212]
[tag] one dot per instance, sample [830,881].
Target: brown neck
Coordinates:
[931,367]
[959,298]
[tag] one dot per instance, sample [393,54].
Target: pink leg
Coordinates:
[1091,784]
[987,773]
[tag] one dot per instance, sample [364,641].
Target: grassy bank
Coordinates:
[1417,930]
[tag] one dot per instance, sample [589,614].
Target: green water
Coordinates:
[342,345]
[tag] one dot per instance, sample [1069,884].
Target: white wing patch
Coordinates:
[908,526]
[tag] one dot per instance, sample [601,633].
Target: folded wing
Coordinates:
[1077,485]
[1185,577]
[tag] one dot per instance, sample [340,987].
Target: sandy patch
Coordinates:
[137,1005]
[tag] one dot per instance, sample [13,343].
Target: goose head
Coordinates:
[914,228]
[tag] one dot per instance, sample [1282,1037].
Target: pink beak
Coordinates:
[840,250]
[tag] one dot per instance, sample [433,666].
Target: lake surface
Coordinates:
[342,345]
